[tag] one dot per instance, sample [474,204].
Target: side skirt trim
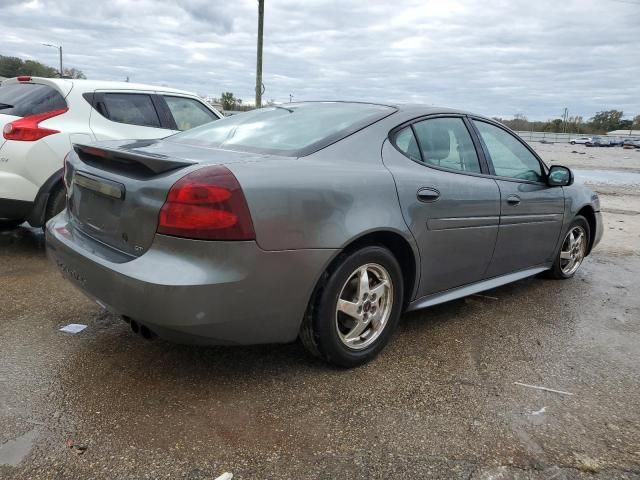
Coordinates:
[467,290]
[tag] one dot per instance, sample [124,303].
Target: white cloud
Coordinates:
[498,58]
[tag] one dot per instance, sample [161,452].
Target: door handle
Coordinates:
[513,200]
[427,194]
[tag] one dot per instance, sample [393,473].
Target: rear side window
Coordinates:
[290,129]
[131,108]
[406,142]
[26,99]
[189,113]
[446,143]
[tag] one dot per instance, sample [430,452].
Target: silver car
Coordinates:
[322,221]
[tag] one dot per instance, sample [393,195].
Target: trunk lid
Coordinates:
[117,188]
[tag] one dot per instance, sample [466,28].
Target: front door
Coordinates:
[531,212]
[451,208]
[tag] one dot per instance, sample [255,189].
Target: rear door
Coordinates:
[531,212]
[450,205]
[127,114]
[187,112]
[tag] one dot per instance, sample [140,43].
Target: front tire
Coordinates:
[573,143]
[356,311]
[572,250]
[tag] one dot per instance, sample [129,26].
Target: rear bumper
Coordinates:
[193,291]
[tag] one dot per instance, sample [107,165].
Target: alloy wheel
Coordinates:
[364,306]
[573,250]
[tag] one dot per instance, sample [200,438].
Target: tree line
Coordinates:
[230,102]
[14,67]
[602,122]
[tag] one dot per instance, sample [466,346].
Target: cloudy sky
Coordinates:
[496,58]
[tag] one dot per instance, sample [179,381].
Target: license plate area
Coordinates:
[102,186]
[97,203]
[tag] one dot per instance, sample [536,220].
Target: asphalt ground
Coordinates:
[440,401]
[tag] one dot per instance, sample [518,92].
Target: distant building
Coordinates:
[624,133]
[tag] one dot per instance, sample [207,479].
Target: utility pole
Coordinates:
[59,47]
[259,59]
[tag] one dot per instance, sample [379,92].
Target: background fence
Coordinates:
[561,137]
[549,136]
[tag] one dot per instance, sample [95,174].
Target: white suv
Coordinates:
[581,140]
[41,117]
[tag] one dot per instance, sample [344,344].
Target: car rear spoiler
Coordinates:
[123,161]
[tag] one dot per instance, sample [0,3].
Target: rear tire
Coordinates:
[56,203]
[570,257]
[354,314]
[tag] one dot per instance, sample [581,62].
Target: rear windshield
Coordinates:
[289,129]
[25,99]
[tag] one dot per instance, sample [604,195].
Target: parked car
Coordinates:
[580,140]
[320,220]
[631,143]
[597,142]
[614,141]
[41,117]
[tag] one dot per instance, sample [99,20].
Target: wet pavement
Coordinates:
[607,177]
[439,402]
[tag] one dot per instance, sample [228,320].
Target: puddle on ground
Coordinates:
[606,177]
[14,451]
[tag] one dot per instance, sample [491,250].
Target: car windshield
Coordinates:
[289,129]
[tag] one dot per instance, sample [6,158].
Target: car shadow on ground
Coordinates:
[22,240]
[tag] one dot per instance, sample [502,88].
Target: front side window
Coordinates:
[131,108]
[26,99]
[290,129]
[446,143]
[189,113]
[509,156]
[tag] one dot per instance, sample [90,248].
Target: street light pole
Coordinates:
[259,59]
[59,47]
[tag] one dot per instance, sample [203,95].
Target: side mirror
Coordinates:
[559,176]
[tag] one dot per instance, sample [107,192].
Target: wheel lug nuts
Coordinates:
[373,297]
[364,297]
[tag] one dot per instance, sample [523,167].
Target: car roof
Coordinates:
[416,109]
[83,85]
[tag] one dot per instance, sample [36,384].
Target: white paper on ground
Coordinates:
[73,328]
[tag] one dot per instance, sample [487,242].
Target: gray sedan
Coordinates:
[322,221]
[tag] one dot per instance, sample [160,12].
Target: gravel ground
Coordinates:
[439,402]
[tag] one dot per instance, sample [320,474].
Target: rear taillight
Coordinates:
[27,129]
[207,204]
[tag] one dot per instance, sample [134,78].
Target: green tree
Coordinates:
[606,121]
[228,101]
[14,66]
[519,122]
